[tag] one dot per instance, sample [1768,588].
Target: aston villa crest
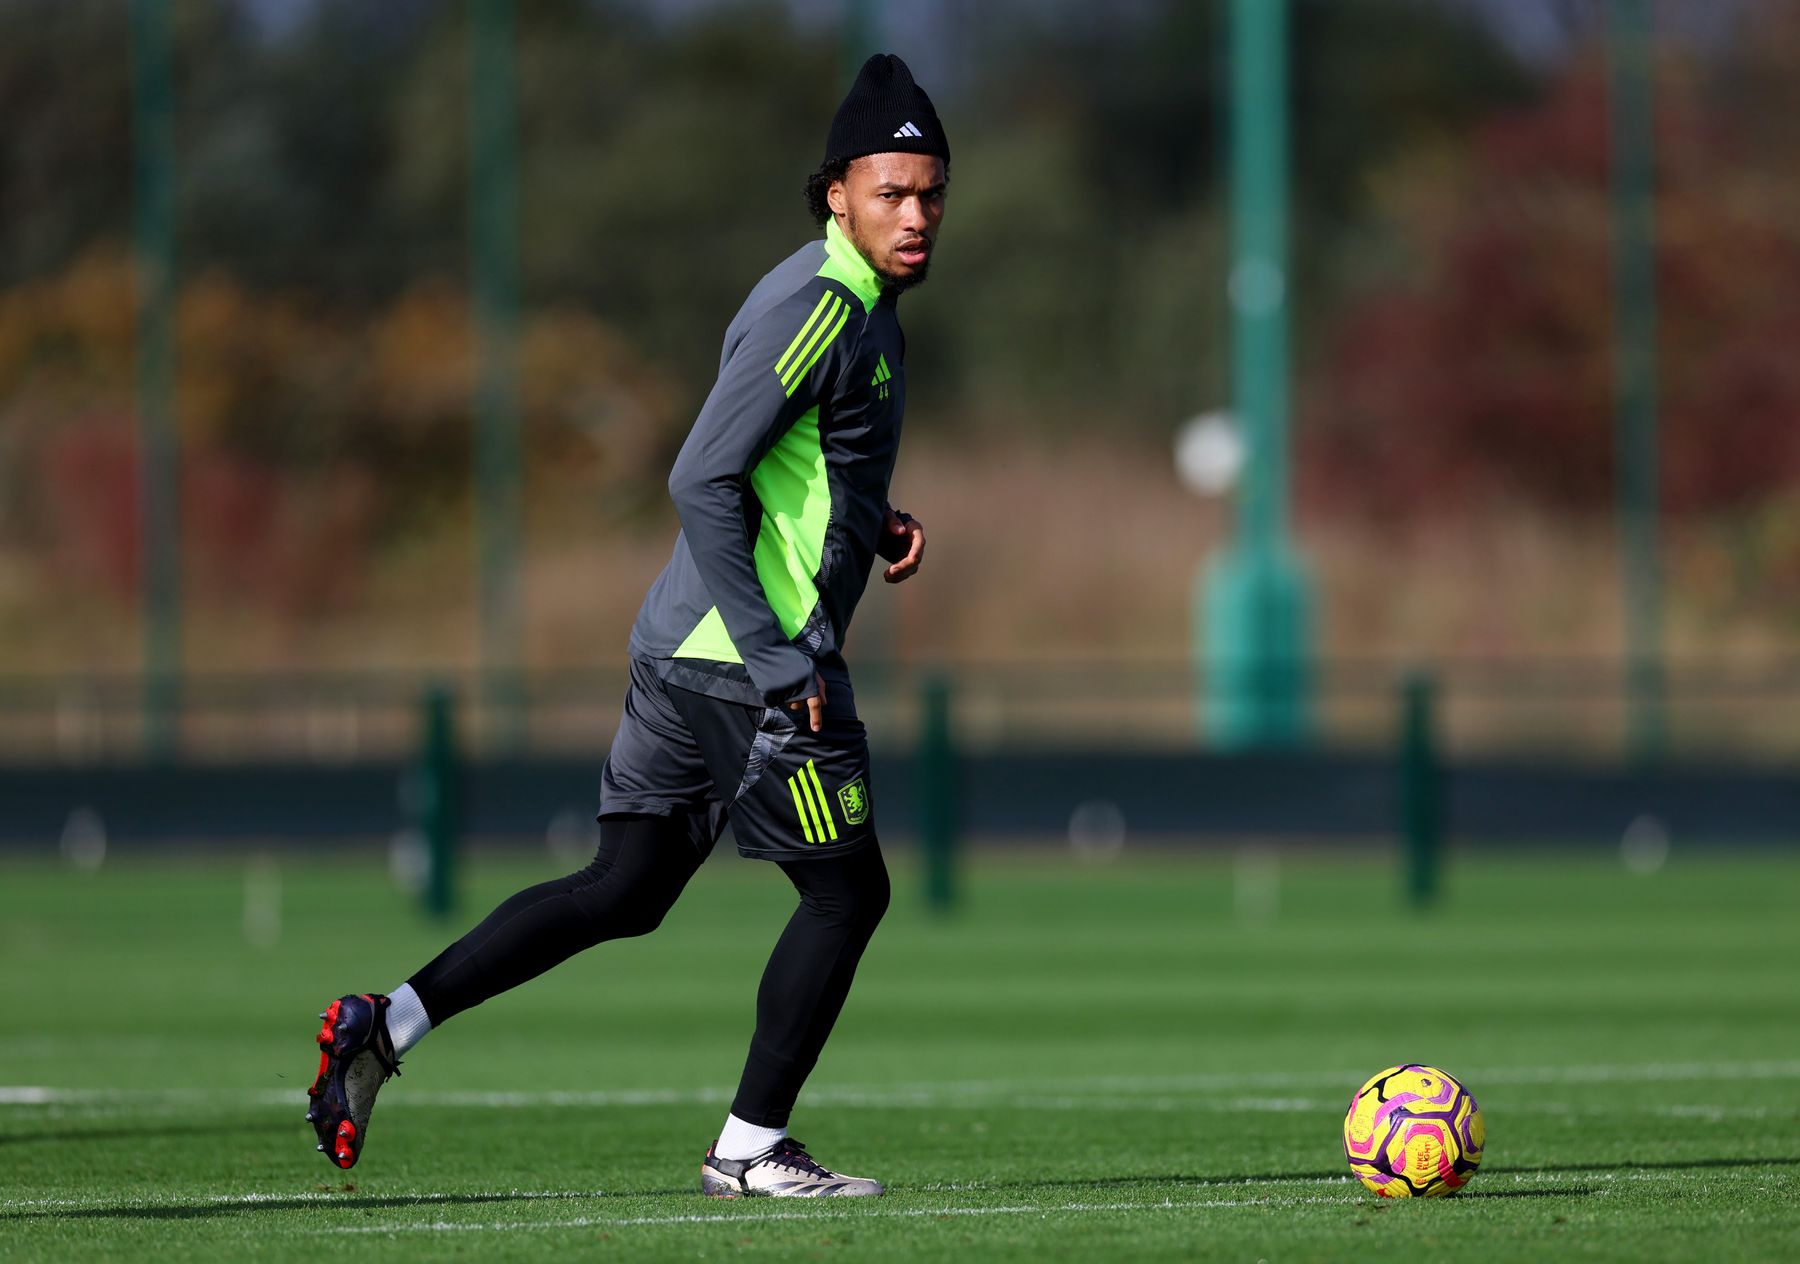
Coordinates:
[854,799]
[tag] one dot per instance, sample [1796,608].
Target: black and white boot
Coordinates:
[785,1170]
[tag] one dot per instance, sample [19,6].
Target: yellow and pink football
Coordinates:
[1413,1131]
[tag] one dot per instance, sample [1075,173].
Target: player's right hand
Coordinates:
[815,705]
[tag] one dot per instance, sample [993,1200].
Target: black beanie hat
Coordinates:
[885,113]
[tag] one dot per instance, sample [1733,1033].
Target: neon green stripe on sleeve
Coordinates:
[805,330]
[823,333]
[799,376]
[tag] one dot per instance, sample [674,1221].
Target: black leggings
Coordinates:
[642,865]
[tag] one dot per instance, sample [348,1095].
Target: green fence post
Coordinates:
[437,800]
[1421,820]
[159,435]
[499,445]
[856,37]
[937,794]
[1632,102]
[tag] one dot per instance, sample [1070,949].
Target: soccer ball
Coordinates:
[1413,1131]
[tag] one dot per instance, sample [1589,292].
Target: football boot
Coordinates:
[785,1170]
[356,1056]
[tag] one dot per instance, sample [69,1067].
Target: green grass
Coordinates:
[1090,1062]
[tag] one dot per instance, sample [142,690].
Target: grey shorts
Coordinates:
[788,792]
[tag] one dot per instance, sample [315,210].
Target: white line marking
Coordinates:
[1486,1181]
[1043,1210]
[897,1213]
[105,1103]
[1101,1093]
[296,1196]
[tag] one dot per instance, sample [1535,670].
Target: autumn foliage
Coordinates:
[311,437]
[1487,377]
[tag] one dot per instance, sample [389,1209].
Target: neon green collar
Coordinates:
[844,262]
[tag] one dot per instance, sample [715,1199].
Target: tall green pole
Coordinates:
[1421,790]
[159,465]
[1254,600]
[494,271]
[438,800]
[859,38]
[856,37]
[1258,287]
[937,794]
[1633,121]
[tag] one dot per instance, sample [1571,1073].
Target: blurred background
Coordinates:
[1393,399]
[1359,442]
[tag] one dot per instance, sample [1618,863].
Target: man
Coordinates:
[740,705]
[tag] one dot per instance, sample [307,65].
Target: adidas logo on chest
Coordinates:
[882,382]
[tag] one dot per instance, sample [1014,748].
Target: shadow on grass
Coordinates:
[202,1211]
[1252,1178]
[199,1211]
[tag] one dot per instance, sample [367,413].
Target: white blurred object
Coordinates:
[84,840]
[1644,847]
[409,861]
[262,902]
[1209,454]
[1097,830]
[1256,883]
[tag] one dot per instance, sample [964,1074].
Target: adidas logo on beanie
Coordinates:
[885,112]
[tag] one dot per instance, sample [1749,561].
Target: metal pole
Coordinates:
[1258,281]
[1633,106]
[1421,822]
[494,271]
[937,794]
[437,800]
[1255,601]
[856,37]
[159,464]
[858,40]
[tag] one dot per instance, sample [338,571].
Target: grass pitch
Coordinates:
[1144,1060]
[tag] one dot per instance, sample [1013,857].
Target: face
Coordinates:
[890,206]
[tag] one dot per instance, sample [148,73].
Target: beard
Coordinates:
[914,278]
[891,280]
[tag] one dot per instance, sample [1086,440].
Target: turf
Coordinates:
[1143,1060]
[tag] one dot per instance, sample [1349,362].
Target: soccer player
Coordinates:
[740,705]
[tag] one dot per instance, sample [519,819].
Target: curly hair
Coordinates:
[818,182]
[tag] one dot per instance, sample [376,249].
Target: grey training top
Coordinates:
[782,484]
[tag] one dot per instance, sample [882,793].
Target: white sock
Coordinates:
[739,1140]
[407,1021]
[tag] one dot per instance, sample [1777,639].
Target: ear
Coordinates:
[837,198]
